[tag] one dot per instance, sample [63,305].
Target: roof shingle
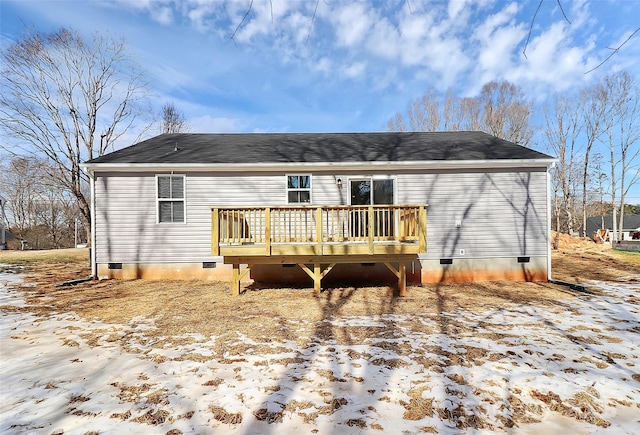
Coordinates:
[319,148]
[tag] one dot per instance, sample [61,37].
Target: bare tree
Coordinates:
[67,100]
[18,184]
[460,114]
[173,121]
[501,109]
[397,123]
[506,112]
[38,209]
[622,135]
[424,113]
[563,126]
[470,110]
[595,110]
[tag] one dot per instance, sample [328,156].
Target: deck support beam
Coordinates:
[316,274]
[237,277]
[314,266]
[401,274]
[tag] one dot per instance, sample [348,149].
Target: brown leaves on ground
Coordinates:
[269,315]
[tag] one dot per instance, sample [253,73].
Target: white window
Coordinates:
[298,189]
[170,195]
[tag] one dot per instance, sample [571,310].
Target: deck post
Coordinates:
[402,278]
[319,230]
[237,277]
[215,233]
[317,278]
[370,229]
[267,230]
[422,229]
[235,285]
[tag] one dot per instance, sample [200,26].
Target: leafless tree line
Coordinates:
[65,100]
[604,116]
[173,120]
[38,210]
[500,109]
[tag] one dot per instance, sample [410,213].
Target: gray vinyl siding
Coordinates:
[503,214]
[126,220]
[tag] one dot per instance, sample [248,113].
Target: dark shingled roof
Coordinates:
[319,148]
[631,222]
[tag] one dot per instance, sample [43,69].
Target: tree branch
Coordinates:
[526,44]
[313,18]
[615,50]
[246,14]
[563,14]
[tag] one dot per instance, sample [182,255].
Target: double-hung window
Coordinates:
[170,195]
[298,189]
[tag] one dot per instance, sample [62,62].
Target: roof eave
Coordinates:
[319,166]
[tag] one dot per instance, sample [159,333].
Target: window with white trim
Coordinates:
[170,196]
[298,189]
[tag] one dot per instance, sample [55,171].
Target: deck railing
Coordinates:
[326,230]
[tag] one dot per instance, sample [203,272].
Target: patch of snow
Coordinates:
[533,362]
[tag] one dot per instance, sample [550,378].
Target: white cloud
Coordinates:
[497,40]
[163,15]
[354,70]
[300,26]
[552,60]
[324,65]
[352,23]
[210,124]
[457,8]
[384,40]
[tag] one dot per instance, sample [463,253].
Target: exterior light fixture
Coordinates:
[339,183]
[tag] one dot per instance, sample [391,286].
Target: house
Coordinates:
[631,225]
[428,207]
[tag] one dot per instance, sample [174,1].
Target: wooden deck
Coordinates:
[318,238]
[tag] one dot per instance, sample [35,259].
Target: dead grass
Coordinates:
[266,315]
[71,255]
[418,407]
[225,417]
[581,407]
[578,260]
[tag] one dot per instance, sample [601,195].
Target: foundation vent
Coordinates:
[524,259]
[446,261]
[115,265]
[208,264]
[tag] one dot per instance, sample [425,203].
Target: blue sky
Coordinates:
[357,65]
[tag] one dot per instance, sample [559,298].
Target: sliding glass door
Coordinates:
[368,191]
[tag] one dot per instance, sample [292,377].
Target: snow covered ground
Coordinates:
[514,368]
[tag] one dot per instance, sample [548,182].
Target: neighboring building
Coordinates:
[631,225]
[450,206]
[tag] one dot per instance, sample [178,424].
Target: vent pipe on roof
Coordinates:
[176,147]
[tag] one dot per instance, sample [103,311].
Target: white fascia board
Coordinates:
[314,166]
